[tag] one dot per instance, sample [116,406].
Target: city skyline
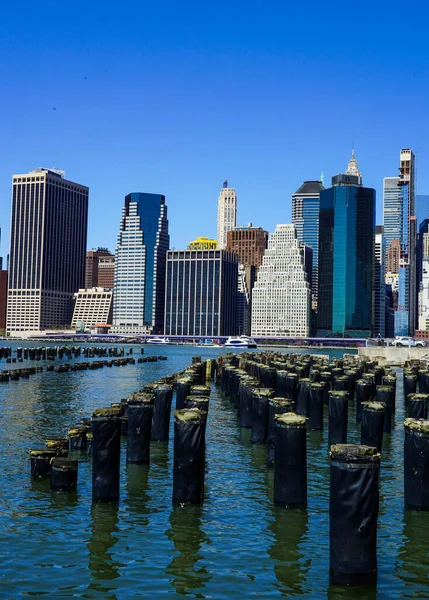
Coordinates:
[108,239]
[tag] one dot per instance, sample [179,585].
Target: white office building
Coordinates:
[92,306]
[281,298]
[226,214]
[424,287]
[379,284]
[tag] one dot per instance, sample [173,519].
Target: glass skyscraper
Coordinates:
[392,210]
[305,217]
[143,241]
[346,254]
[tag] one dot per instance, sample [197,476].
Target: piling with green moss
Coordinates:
[290,465]
[338,415]
[417,406]
[64,474]
[260,400]
[276,406]
[189,456]
[416,461]
[372,425]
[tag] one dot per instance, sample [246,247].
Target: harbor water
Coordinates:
[237,545]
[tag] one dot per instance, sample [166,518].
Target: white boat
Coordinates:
[243,341]
[158,340]
[208,344]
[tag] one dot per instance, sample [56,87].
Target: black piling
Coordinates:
[290,466]
[316,397]
[371,433]
[260,399]
[106,423]
[140,413]
[301,407]
[416,461]
[276,406]
[163,395]
[64,474]
[41,462]
[338,414]
[417,406]
[189,456]
[245,405]
[183,387]
[410,385]
[353,513]
[364,391]
[386,395]
[77,438]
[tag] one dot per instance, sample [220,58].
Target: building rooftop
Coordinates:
[310,187]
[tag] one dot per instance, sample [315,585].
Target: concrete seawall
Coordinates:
[393,355]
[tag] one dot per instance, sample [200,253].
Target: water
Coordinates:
[235,546]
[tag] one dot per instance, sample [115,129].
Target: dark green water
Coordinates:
[236,545]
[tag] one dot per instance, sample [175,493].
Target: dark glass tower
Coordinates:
[201,295]
[346,251]
[143,240]
[305,217]
[47,250]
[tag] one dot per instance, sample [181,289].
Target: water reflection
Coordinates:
[289,527]
[137,487]
[104,535]
[187,536]
[414,554]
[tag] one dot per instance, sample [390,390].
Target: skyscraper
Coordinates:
[346,254]
[248,243]
[401,224]
[226,214]
[143,241]
[392,211]
[379,283]
[305,217]
[281,302]
[92,266]
[422,208]
[47,250]
[201,293]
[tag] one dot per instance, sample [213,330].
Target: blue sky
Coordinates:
[174,98]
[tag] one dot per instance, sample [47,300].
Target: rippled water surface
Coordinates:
[235,546]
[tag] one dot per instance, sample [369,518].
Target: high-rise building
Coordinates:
[47,250]
[248,243]
[106,272]
[201,293]
[246,281]
[92,266]
[143,241]
[394,256]
[423,323]
[422,208]
[92,307]
[3,300]
[406,221]
[226,214]
[346,255]
[379,283]
[392,212]
[305,217]
[281,301]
